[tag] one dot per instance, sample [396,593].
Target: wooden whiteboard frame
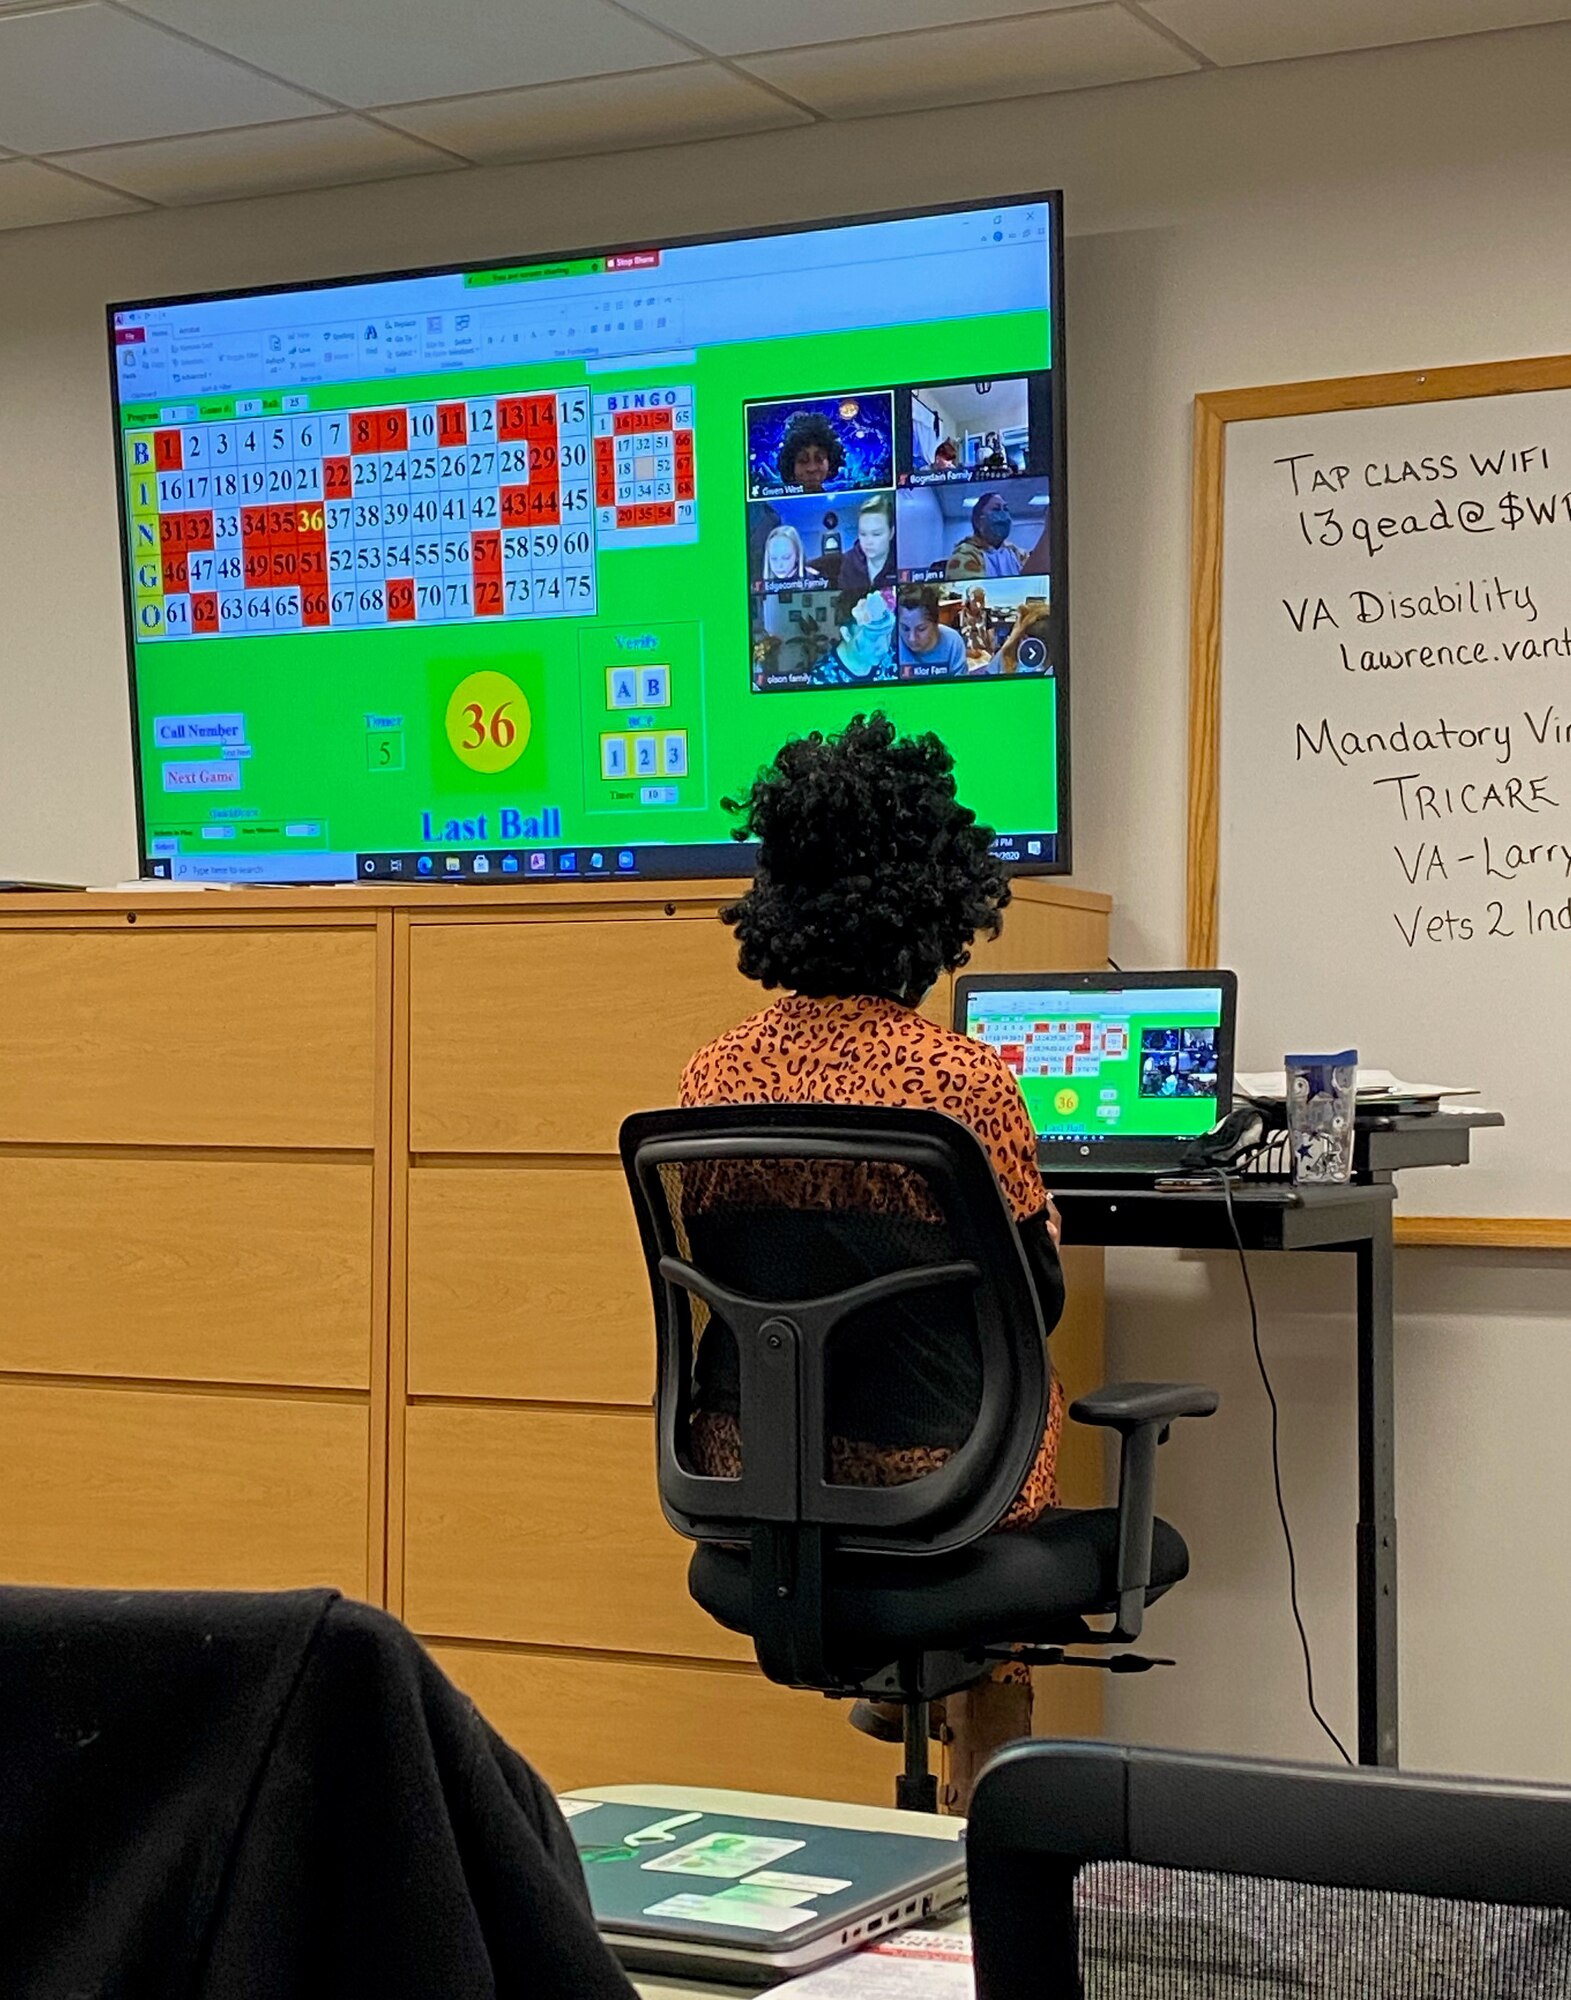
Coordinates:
[1213,413]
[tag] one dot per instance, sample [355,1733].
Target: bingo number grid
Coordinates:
[418,513]
[1058,1048]
[644,471]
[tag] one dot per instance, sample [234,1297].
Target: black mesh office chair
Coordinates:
[1104,1873]
[824,1264]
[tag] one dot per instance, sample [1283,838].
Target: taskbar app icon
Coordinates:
[535,864]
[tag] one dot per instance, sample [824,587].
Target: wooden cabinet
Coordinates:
[524,1280]
[541,1037]
[183,1489]
[234,1035]
[200,1270]
[193,1250]
[317,1266]
[540,1524]
[587,1718]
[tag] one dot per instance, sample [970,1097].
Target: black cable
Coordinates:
[1114,965]
[1276,1469]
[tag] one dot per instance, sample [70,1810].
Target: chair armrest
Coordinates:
[1119,1406]
[1141,1413]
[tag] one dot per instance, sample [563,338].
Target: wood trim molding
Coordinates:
[1483,1232]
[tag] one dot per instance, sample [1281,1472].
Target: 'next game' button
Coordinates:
[217,776]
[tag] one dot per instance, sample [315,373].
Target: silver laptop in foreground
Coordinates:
[751,1899]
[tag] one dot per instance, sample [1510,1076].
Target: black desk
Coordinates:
[1357,1219]
[1387,1142]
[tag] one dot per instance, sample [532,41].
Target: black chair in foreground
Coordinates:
[215,1795]
[1099,1872]
[814,1267]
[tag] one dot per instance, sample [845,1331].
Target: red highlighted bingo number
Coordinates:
[418,513]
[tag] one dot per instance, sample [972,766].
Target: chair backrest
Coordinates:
[824,1253]
[1099,1870]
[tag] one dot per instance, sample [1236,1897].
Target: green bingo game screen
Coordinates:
[524,569]
[1136,1062]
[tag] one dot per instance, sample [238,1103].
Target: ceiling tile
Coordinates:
[367,52]
[1257,31]
[657,107]
[740,27]
[31,194]
[92,76]
[264,159]
[999,59]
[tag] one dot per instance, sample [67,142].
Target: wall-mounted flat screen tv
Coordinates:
[523,569]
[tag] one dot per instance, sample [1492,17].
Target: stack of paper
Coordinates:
[906,1965]
[1269,1086]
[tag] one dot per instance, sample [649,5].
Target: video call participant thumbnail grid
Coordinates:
[1178,1062]
[816,522]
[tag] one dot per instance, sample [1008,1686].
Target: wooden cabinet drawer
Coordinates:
[224,1036]
[528,1282]
[205,1270]
[541,1037]
[180,1489]
[584,1721]
[1087,1460]
[544,1526]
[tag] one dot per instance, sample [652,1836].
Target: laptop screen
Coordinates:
[1109,1062]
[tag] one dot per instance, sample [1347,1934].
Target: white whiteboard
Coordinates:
[1394,767]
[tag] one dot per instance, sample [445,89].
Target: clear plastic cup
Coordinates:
[1322,1095]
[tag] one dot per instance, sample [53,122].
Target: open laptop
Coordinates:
[746,1900]
[1120,1071]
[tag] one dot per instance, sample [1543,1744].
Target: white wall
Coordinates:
[1395,209]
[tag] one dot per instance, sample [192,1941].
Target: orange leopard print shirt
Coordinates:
[870,1051]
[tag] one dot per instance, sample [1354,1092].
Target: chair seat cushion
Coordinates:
[1027,1585]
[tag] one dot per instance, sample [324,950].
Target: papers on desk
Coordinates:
[906,1965]
[1269,1086]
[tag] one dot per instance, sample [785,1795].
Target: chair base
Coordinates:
[924,1677]
[1055,1656]
[917,1794]
[915,1683]
[916,1789]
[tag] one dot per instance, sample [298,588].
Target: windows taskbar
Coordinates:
[661,862]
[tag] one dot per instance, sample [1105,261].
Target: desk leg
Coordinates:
[1377,1628]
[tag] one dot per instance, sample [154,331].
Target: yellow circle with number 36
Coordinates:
[1066,1101]
[488,721]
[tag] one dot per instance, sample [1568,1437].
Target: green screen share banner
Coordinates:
[351,740]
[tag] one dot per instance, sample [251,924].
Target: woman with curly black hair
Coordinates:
[873,879]
[811,453]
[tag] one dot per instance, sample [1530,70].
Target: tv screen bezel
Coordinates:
[1052,200]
